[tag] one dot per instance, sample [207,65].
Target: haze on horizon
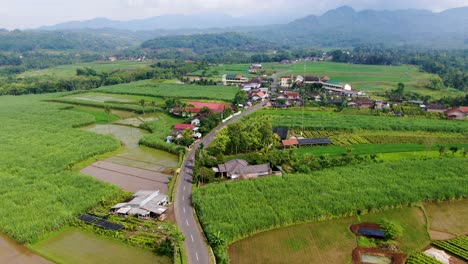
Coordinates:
[23,14]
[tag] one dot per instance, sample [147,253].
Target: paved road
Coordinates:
[195,244]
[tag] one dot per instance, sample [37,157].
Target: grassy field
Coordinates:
[77,246]
[326,242]
[158,89]
[243,208]
[67,71]
[39,143]
[314,120]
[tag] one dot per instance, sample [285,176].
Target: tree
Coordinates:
[187,138]
[442,150]
[453,150]
[217,239]
[142,103]
[153,104]
[391,229]
[436,83]
[108,111]
[240,98]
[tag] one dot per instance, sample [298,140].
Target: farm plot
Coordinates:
[136,168]
[325,242]
[76,246]
[243,208]
[12,252]
[67,71]
[39,143]
[158,89]
[447,220]
[314,120]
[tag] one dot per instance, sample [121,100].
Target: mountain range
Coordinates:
[171,22]
[341,27]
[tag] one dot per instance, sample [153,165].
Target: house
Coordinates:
[325,79]
[258,96]
[256,66]
[182,127]
[458,113]
[363,103]
[290,142]
[379,104]
[143,204]
[286,81]
[240,169]
[291,95]
[282,132]
[195,78]
[251,86]
[195,122]
[232,79]
[196,107]
[313,141]
[435,108]
[311,79]
[179,129]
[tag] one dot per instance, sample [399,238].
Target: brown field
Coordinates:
[13,252]
[450,218]
[128,178]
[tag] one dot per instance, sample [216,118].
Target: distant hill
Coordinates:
[345,27]
[171,22]
[203,43]
[28,40]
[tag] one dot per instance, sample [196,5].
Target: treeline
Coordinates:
[25,41]
[88,78]
[15,63]
[450,65]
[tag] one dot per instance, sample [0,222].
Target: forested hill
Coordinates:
[24,41]
[345,27]
[204,43]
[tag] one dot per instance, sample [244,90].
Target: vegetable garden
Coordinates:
[457,246]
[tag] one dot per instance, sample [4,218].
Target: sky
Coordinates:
[23,14]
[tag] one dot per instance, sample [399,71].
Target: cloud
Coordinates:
[34,13]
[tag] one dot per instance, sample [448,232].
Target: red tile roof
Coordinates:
[290,142]
[214,107]
[184,126]
[463,109]
[291,94]
[259,94]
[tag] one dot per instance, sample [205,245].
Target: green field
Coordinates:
[368,78]
[327,241]
[67,71]
[100,116]
[39,143]
[158,89]
[77,246]
[315,120]
[366,149]
[243,208]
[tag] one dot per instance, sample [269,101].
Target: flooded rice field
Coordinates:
[138,167]
[13,252]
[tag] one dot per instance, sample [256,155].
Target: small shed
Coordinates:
[282,132]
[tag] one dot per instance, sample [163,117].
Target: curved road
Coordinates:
[195,244]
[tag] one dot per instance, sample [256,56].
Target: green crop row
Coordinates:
[421,258]
[457,248]
[315,120]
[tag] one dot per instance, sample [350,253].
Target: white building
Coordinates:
[144,204]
